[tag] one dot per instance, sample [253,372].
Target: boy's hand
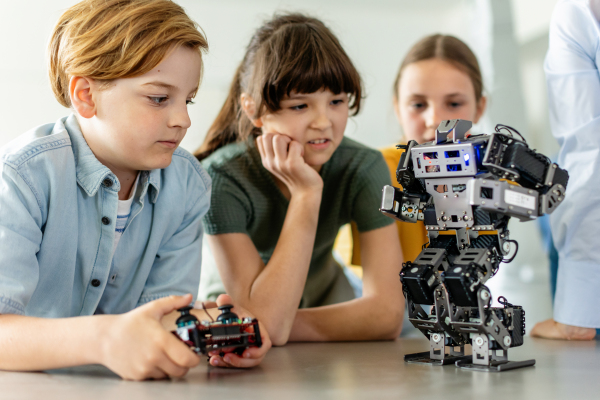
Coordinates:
[137,347]
[252,356]
[284,158]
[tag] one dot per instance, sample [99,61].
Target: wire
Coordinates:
[515,253]
[502,300]
[206,311]
[508,129]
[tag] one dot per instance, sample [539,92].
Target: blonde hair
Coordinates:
[111,39]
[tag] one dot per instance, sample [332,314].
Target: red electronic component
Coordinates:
[227,333]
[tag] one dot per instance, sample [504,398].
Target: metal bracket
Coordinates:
[458,128]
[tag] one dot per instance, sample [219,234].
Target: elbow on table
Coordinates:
[279,337]
[278,332]
[393,326]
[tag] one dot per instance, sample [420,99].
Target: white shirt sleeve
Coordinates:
[573,79]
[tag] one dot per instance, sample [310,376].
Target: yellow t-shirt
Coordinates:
[412,236]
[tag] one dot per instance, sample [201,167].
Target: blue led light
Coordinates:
[466,157]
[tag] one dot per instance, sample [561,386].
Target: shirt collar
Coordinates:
[91,173]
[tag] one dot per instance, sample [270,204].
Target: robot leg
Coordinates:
[421,286]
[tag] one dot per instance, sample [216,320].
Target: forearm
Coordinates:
[276,292]
[33,344]
[366,318]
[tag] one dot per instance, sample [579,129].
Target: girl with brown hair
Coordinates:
[285,179]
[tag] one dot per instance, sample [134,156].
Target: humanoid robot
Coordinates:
[465,188]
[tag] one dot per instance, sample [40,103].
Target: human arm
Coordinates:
[377,315]
[134,345]
[272,292]
[574,100]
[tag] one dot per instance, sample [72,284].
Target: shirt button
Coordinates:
[106,220]
[107,182]
[95,282]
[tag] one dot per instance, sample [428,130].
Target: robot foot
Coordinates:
[495,366]
[490,360]
[424,358]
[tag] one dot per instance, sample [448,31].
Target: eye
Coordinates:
[158,100]
[337,102]
[189,102]
[418,106]
[298,107]
[455,104]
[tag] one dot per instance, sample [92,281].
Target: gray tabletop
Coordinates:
[372,370]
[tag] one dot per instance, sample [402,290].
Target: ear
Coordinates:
[481,104]
[249,107]
[81,91]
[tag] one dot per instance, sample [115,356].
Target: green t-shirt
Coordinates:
[246,199]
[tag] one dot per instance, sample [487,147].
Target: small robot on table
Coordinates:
[465,188]
[227,334]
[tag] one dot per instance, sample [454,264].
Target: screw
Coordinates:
[479,341]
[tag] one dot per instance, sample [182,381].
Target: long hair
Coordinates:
[291,52]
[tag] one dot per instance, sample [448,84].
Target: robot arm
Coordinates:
[401,205]
[541,184]
[405,205]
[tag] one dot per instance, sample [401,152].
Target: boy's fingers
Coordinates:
[159,308]
[224,299]
[156,373]
[179,353]
[171,368]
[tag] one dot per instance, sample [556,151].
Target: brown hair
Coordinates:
[291,52]
[447,48]
[112,39]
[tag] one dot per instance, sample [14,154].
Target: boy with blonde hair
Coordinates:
[100,213]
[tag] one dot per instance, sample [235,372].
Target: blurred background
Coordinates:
[509,37]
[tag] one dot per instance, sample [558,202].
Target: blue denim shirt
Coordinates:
[58,209]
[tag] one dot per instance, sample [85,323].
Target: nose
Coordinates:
[180,117]
[433,117]
[321,120]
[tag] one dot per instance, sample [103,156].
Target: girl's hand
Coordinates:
[251,356]
[137,347]
[284,158]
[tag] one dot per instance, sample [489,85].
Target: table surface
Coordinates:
[370,370]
